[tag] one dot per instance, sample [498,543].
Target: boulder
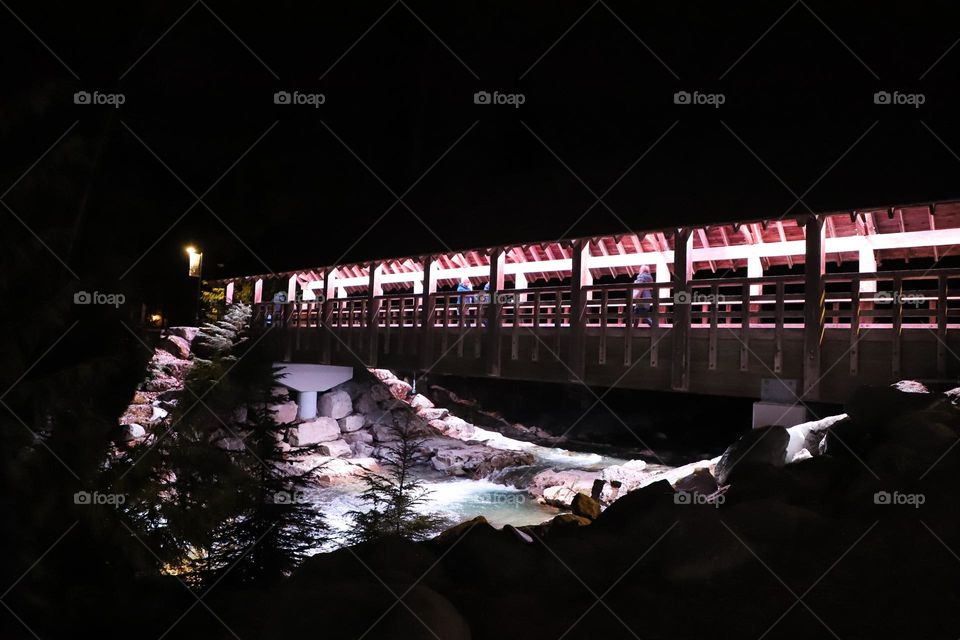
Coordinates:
[361,450]
[701,481]
[420,401]
[585,506]
[436,413]
[335,404]
[240,414]
[380,393]
[132,431]
[808,436]
[358,436]
[873,407]
[229,442]
[559,496]
[399,389]
[176,346]
[137,414]
[910,386]
[366,404]
[569,520]
[383,374]
[384,433]
[284,412]
[335,448]
[457,428]
[187,333]
[353,422]
[766,445]
[314,432]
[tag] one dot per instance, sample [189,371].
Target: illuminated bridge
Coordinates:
[821,302]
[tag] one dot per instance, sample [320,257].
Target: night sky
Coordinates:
[598,144]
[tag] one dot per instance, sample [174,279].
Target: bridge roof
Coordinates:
[891,233]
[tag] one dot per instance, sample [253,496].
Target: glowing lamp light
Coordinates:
[196,261]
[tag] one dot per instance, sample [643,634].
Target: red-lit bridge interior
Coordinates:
[829,301]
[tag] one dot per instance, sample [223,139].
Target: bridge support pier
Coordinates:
[307,405]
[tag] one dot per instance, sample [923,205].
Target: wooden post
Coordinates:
[682,272]
[374,300]
[579,278]
[258,291]
[326,311]
[813,309]
[427,308]
[492,344]
[228,295]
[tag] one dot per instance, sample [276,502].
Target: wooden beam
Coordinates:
[492,343]
[427,311]
[579,278]
[813,307]
[682,272]
[706,245]
[374,302]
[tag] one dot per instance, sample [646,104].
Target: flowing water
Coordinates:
[501,498]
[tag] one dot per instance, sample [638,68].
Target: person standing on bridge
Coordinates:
[642,309]
[464,286]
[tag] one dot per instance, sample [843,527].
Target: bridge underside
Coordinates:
[643,360]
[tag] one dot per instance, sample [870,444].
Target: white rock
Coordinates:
[351,423]
[383,374]
[437,413]
[285,412]
[314,432]
[420,401]
[335,448]
[803,454]
[187,333]
[808,436]
[910,386]
[559,496]
[133,431]
[335,404]
[159,414]
[176,346]
[399,389]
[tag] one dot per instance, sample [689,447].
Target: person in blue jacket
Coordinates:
[641,309]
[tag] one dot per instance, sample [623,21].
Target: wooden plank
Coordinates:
[714,328]
[778,329]
[897,322]
[814,268]
[628,329]
[604,309]
[942,325]
[682,272]
[493,315]
[579,277]
[535,356]
[745,327]
[515,330]
[428,307]
[855,326]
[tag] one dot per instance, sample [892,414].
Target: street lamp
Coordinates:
[195,270]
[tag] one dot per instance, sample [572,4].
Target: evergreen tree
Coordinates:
[394,497]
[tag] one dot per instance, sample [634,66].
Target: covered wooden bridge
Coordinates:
[822,302]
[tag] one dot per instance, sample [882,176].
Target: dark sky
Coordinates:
[294,186]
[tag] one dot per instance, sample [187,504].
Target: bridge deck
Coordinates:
[739,331]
